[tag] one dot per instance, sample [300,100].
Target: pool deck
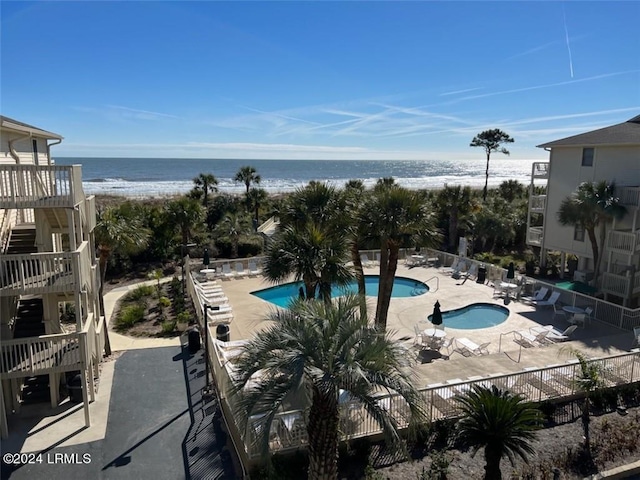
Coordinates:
[595,340]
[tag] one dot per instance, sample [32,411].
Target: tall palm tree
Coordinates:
[312,255]
[234,226]
[320,348]
[592,206]
[186,214]
[117,229]
[317,202]
[589,378]
[247,175]
[456,201]
[398,217]
[501,422]
[491,141]
[204,184]
[256,197]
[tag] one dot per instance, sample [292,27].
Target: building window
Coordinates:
[587,157]
[578,233]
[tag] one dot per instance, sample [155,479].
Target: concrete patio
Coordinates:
[505,356]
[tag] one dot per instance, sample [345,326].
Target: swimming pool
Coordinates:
[476,315]
[402,287]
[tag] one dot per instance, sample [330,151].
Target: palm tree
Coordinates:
[317,202]
[592,206]
[233,226]
[398,217]
[320,348]
[205,183]
[247,175]
[501,422]
[255,197]
[117,229]
[491,141]
[589,379]
[186,214]
[456,201]
[312,255]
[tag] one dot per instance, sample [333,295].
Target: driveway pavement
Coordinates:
[158,427]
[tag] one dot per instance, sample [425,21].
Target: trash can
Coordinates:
[222,332]
[74,386]
[482,274]
[194,340]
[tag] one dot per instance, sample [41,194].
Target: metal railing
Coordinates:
[537,203]
[629,196]
[534,235]
[625,242]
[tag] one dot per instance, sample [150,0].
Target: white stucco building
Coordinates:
[611,154]
[47,264]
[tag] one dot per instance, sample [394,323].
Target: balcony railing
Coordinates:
[538,203]
[38,355]
[534,236]
[29,186]
[540,170]
[620,285]
[624,242]
[37,273]
[629,196]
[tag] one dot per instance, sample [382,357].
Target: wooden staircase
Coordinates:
[22,239]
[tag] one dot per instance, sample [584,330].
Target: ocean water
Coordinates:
[148,177]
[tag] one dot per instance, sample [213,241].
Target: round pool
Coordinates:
[281,295]
[476,315]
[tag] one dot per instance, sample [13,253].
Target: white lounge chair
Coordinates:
[553,333]
[549,303]
[528,339]
[240,271]
[538,296]
[464,345]
[254,270]
[364,260]
[226,271]
[455,267]
[472,272]
[377,260]
[215,300]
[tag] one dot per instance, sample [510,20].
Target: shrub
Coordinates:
[168,327]
[130,315]
[164,302]
[139,293]
[183,317]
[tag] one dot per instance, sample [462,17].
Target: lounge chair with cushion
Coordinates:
[528,339]
[254,270]
[553,333]
[226,271]
[240,271]
[464,346]
[455,267]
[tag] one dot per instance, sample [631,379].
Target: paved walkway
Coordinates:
[148,419]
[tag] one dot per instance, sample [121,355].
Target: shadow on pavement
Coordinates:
[205,450]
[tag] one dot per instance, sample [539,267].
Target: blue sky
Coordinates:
[334,80]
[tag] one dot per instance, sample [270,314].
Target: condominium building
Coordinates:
[48,267]
[610,154]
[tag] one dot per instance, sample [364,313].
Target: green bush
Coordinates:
[130,315]
[184,317]
[139,293]
[164,302]
[168,327]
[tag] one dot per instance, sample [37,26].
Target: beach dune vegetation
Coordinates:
[204,184]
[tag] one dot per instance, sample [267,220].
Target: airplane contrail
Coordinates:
[566,33]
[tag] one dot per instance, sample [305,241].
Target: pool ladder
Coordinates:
[437,282]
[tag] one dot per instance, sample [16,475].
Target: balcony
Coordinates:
[629,196]
[35,186]
[620,285]
[41,273]
[534,236]
[39,355]
[537,203]
[540,170]
[624,242]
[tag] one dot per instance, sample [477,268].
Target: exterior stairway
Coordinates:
[29,315]
[22,240]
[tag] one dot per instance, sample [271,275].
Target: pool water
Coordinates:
[476,315]
[281,295]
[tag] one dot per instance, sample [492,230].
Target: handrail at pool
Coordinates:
[437,283]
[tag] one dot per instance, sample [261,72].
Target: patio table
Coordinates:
[434,332]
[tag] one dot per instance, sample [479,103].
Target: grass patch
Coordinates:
[139,293]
